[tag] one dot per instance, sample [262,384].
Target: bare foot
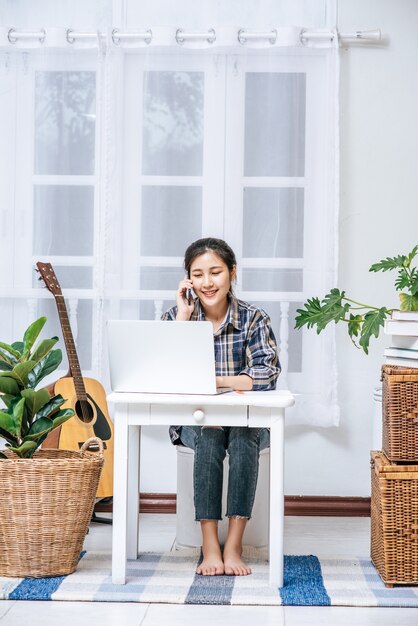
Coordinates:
[212,564]
[234,565]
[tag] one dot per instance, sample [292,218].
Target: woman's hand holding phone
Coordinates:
[184,300]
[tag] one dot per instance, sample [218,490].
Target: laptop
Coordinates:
[162,357]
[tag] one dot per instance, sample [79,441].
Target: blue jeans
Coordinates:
[210,446]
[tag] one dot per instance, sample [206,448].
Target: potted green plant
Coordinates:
[363,320]
[47,496]
[30,414]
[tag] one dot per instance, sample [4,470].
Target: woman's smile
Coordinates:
[210,294]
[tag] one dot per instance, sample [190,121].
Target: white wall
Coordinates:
[378,218]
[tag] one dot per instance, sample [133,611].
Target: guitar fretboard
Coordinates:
[70,347]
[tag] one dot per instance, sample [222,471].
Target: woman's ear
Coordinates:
[233,273]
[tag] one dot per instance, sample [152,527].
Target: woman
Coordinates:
[246,358]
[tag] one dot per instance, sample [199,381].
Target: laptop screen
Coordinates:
[161,357]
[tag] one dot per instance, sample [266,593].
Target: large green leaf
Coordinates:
[408,302]
[5,365]
[10,438]
[311,315]
[412,254]
[20,372]
[35,400]
[41,439]
[390,263]
[40,427]
[51,406]
[18,346]
[7,362]
[320,314]
[62,416]
[333,306]
[59,418]
[17,409]
[8,359]
[31,335]
[43,348]
[373,322]
[7,398]
[45,366]
[398,262]
[8,424]
[403,280]
[413,285]
[354,325]
[11,420]
[14,353]
[8,384]
[25,450]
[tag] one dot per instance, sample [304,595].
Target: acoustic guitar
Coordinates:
[85,396]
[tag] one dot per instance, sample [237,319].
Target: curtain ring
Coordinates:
[10,36]
[69,36]
[212,36]
[303,40]
[179,37]
[274,36]
[115,38]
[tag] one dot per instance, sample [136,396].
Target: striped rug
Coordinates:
[170,577]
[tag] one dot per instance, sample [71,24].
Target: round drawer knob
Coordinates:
[198,415]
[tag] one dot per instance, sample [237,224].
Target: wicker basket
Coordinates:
[400,413]
[394,520]
[46,504]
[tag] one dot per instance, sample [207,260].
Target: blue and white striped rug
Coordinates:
[170,578]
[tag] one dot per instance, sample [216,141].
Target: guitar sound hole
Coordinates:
[84,411]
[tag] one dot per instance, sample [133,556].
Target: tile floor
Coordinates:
[308,535]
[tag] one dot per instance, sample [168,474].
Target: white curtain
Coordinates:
[131,129]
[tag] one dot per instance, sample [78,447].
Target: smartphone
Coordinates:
[189,296]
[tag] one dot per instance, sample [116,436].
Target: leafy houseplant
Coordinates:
[29,414]
[363,320]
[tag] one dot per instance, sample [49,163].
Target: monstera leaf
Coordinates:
[363,320]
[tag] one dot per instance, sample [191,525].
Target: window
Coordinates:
[218,146]
[56,207]
[198,144]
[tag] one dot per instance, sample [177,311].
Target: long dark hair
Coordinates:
[210,244]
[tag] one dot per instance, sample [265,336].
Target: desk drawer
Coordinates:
[199,415]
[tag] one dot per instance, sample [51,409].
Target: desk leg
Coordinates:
[276,499]
[133,491]
[120,495]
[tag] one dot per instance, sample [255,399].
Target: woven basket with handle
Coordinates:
[400,413]
[46,504]
[394,520]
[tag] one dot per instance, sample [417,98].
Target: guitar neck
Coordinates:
[70,347]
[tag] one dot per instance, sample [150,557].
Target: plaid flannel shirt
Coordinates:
[244,344]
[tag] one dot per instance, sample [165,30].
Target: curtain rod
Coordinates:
[367,36]
[277,36]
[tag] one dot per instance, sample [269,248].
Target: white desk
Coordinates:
[133,410]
